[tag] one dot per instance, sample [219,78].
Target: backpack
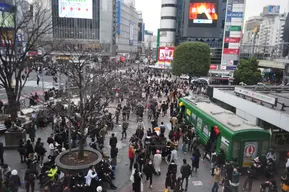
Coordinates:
[31,177]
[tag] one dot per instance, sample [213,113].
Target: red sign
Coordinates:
[232,40]
[250,150]
[212,66]
[166,53]
[231,51]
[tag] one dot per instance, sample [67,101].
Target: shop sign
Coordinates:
[250,152]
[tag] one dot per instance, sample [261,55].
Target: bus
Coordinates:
[237,137]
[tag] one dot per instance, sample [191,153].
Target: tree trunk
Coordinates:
[81,144]
[13,105]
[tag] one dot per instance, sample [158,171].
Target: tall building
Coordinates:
[127,36]
[150,40]
[168,22]
[263,35]
[76,23]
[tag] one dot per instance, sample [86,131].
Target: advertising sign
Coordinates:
[235,14]
[118,17]
[250,153]
[81,9]
[232,40]
[131,33]
[256,95]
[203,14]
[231,51]
[274,9]
[166,54]
[212,66]
[235,28]
[6,16]
[140,31]
[232,67]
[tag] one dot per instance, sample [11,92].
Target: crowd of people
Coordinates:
[148,146]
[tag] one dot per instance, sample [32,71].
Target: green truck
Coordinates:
[237,137]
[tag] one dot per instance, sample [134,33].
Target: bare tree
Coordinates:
[24,28]
[93,86]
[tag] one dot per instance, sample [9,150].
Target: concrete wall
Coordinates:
[250,109]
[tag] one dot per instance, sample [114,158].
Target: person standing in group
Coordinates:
[235,182]
[186,171]
[113,141]
[125,125]
[113,155]
[91,175]
[131,153]
[1,153]
[174,155]
[249,180]
[148,171]
[14,181]
[157,162]
[30,178]
[216,178]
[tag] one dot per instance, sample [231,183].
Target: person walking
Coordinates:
[137,185]
[31,132]
[249,180]
[125,125]
[186,171]
[131,153]
[29,178]
[174,155]
[216,179]
[1,153]
[196,159]
[148,171]
[157,162]
[14,181]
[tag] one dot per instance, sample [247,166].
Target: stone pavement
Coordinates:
[201,181]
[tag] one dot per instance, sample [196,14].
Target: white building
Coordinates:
[130,2]
[168,22]
[150,40]
[127,40]
[250,25]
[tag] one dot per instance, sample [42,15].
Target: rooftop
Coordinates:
[280,93]
[227,118]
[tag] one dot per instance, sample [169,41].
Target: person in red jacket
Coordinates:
[131,153]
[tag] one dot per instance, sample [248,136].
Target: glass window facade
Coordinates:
[76,28]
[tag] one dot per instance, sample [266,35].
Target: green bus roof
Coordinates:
[225,117]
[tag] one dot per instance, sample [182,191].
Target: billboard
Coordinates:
[274,9]
[6,15]
[141,27]
[203,14]
[118,16]
[166,54]
[81,9]
[131,33]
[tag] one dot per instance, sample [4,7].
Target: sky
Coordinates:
[151,10]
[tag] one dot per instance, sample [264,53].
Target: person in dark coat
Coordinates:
[31,132]
[14,181]
[137,181]
[148,171]
[28,148]
[22,151]
[196,159]
[141,159]
[113,155]
[1,153]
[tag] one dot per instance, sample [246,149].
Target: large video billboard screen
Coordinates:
[166,54]
[6,16]
[81,9]
[203,14]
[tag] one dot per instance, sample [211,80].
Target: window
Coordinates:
[169,5]
[236,149]
[265,146]
[199,123]
[167,29]
[169,17]
[206,130]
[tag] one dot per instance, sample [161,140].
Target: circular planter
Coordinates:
[68,163]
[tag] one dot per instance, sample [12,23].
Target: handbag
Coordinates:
[285,187]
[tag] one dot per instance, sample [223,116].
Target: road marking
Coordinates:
[197,183]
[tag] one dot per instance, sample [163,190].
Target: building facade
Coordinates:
[168,22]
[127,38]
[70,25]
[150,40]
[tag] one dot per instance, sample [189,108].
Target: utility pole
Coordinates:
[69,113]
